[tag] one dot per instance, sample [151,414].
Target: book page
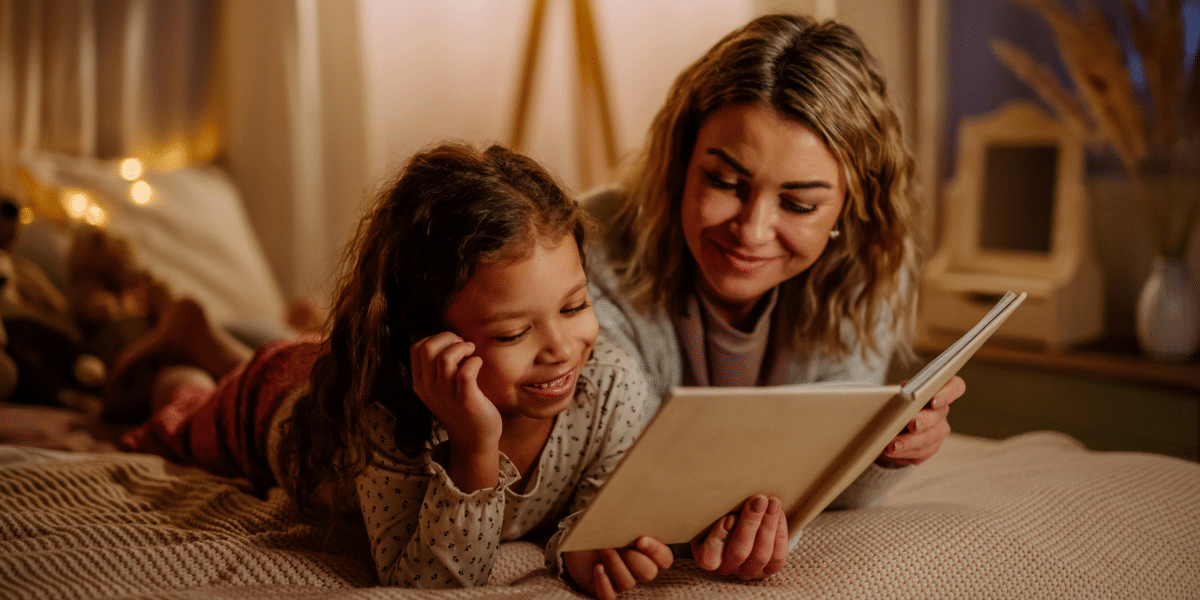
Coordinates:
[924,374]
[930,379]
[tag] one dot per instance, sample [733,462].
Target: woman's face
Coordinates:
[761,195]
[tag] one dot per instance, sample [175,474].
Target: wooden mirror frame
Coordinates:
[1017,124]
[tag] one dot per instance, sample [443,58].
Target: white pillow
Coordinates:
[194,235]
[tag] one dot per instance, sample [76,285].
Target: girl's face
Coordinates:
[532,323]
[761,195]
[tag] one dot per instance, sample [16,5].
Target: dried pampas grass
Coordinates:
[1157,142]
[1069,108]
[1097,65]
[1158,38]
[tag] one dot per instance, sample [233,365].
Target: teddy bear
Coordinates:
[42,359]
[114,300]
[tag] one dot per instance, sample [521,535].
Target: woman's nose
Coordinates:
[755,223]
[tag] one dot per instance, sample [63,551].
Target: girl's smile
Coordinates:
[557,387]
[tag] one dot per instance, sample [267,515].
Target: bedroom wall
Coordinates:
[325,99]
[450,69]
[394,77]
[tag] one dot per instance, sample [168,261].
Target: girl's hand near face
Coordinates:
[606,573]
[925,433]
[444,377]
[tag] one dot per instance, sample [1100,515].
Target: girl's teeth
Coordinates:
[558,381]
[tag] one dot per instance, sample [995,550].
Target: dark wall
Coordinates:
[980,83]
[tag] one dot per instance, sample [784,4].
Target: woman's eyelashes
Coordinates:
[717,182]
[796,207]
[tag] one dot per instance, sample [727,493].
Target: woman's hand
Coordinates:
[749,545]
[925,433]
[605,573]
[444,377]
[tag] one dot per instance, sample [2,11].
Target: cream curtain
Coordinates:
[107,79]
[269,90]
[294,130]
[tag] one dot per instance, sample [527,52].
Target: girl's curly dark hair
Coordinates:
[451,209]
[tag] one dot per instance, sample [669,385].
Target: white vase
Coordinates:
[1168,312]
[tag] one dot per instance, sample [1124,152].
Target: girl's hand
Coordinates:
[925,433]
[749,545]
[605,573]
[444,377]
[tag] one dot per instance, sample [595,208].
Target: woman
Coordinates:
[766,235]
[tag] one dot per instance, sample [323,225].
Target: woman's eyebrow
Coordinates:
[788,185]
[806,185]
[729,160]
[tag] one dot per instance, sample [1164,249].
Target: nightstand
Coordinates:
[1105,394]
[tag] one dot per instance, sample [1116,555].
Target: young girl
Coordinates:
[460,399]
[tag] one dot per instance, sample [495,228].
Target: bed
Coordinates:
[1034,516]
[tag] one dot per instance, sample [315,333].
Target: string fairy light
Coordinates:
[131,169]
[94,215]
[80,206]
[141,192]
[76,203]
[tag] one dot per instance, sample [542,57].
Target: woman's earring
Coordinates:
[834,234]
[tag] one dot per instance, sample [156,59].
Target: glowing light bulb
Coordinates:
[131,168]
[141,192]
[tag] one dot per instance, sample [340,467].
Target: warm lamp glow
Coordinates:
[131,168]
[26,215]
[141,192]
[173,157]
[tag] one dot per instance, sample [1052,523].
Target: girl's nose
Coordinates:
[755,223]
[555,346]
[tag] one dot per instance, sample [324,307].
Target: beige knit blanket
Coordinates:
[1036,516]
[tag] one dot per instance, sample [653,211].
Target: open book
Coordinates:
[708,449]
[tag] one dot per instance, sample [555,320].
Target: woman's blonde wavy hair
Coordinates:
[822,76]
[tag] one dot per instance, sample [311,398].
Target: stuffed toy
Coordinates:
[43,358]
[113,298]
[114,301]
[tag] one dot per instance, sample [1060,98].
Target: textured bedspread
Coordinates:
[1036,516]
